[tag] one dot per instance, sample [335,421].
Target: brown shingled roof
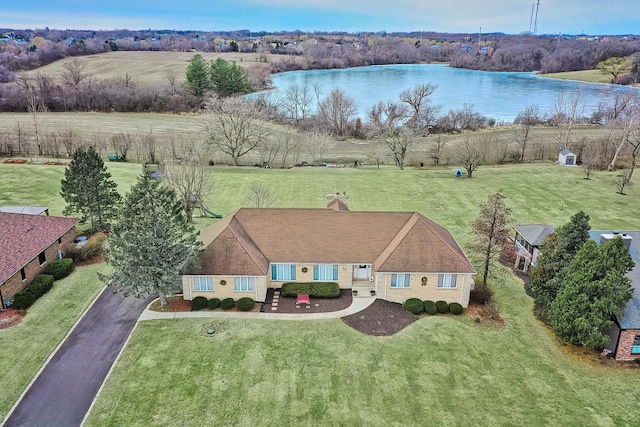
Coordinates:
[249,239]
[23,237]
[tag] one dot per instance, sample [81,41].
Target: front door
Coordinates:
[362,271]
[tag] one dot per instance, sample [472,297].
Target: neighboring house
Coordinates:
[567,158]
[27,243]
[397,255]
[625,334]
[30,210]
[528,239]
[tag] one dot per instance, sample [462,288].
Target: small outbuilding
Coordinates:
[567,158]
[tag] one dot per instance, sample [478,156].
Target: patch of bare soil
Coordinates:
[382,318]
[484,313]
[10,317]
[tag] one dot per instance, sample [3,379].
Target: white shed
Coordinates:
[567,158]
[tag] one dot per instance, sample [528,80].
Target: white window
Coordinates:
[282,272]
[325,272]
[400,280]
[243,284]
[447,281]
[202,283]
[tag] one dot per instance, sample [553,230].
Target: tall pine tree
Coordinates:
[150,242]
[88,189]
[593,290]
[198,80]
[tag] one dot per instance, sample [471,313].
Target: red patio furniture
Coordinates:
[303,299]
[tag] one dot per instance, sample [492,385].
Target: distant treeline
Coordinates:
[30,49]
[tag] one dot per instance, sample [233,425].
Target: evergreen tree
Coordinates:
[88,189]
[198,80]
[228,78]
[593,290]
[490,231]
[150,242]
[556,253]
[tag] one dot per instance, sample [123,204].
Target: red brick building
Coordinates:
[27,244]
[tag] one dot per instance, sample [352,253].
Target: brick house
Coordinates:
[27,243]
[397,255]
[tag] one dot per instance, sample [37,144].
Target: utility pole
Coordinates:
[535,27]
[533,5]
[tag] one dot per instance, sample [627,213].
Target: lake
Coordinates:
[497,95]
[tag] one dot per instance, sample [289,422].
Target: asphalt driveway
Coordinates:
[63,392]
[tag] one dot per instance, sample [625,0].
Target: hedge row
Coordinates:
[243,304]
[416,306]
[313,289]
[39,286]
[59,268]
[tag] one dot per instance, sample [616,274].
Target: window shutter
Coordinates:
[293,272]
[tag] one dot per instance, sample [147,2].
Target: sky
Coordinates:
[593,17]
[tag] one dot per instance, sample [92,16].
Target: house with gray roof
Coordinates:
[528,239]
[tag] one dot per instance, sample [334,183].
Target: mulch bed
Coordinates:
[176,304]
[10,317]
[317,305]
[381,318]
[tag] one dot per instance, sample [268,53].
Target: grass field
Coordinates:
[189,127]
[593,76]
[150,67]
[537,192]
[439,371]
[26,346]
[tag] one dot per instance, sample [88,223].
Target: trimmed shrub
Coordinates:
[213,303]
[40,285]
[227,303]
[455,308]
[414,305]
[430,307]
[314,289]
[23,300]
[442,307]
[198,303]
[59,268]
[245,304]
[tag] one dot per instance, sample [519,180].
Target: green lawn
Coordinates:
[592,76]
[439,371]
[26,346]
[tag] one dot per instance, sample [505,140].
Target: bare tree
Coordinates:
[191,181]
[622,180]
[148,144]
[317,143]
[69,140]
[99,142]
[234,127]
[289,149]
[379,153]
[260,196]
[471,154]
[437,148]
[523,124]
[399,143]
[269,151]
[296,102]
[422,114]
[74,72]
[336,109]
[171,85]
[626,124]
[567,111]
[388,116]
[589,158]
[34,106]
[121,143]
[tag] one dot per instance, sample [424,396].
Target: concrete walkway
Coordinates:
[358,304]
